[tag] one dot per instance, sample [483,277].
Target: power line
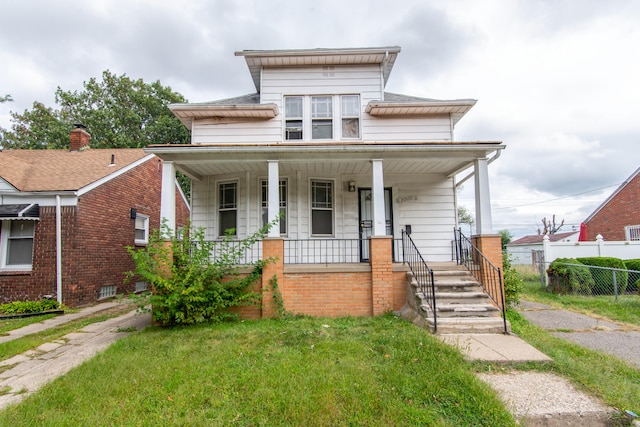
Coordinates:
[559,198]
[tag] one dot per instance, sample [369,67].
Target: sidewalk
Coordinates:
[25,373]
[544,398]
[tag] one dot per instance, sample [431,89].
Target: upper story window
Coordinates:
[322,117]
[350,116]
[16,244]
[293,117]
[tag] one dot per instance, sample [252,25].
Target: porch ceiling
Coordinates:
[198,161]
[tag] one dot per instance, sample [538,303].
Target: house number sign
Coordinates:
[408,198]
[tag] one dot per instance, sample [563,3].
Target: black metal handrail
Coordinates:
[421,272]
[488,275]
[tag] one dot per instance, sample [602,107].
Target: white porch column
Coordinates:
[168,196]
[483,199]
[273,189]
[377,193]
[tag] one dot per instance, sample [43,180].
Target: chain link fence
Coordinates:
[588,280]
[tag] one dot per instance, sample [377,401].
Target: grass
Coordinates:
[347,371]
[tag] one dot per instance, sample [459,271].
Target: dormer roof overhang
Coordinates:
[187,113]
[258,59]
[420,107]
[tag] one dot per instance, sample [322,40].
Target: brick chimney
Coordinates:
[79,138]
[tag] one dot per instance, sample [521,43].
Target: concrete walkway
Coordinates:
[25,373]
[544,398]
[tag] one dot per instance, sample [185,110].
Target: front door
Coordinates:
[365,206]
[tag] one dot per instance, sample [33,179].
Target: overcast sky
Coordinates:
[557,81]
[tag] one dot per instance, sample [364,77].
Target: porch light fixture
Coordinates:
[352,186]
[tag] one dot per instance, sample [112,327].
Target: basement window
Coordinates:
[107,291]
[140,287]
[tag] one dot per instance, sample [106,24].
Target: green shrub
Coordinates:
[569,279]
[513,282]
[633,284]
[23,307]
[603,277]
[189,285]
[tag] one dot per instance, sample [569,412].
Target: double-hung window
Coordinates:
[16,244]
[350,105]
[141,229]
[283,203]
[293,117]
[321,208]
[321,117]
[227,208]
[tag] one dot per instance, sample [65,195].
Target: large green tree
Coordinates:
[117,111]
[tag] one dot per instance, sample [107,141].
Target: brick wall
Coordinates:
[622,210]
[95,235]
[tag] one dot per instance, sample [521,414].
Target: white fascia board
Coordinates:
[67,198]
[114,175]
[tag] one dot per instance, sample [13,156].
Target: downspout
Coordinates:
[58,250]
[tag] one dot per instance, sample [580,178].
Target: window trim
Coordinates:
[628,231]
[332,209]
[144,217]
[357,117]
[5,235]
[219,209]
[336,117]
[262,206]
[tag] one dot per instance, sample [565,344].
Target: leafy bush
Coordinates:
[188,284]
[513,282]
[569,279]
[633,284]
[603,278]
[22,307]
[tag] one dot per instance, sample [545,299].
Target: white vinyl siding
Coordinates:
[406,129]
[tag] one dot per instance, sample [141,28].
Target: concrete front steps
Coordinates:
[461,304]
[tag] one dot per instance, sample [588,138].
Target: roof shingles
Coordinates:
[62,170]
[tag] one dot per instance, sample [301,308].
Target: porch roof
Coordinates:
[447,158]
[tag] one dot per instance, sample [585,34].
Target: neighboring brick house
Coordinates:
[346,166]
[67,216]
[618,217]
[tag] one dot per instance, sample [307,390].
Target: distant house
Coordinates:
[348,168]
[66,217]
[618,217]
[527,249]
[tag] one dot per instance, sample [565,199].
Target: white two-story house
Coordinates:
[342,162]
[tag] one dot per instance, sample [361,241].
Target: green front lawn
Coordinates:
[347,371]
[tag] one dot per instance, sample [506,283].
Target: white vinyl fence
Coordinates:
[617,249]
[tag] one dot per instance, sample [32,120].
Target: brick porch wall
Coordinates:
[334,290]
